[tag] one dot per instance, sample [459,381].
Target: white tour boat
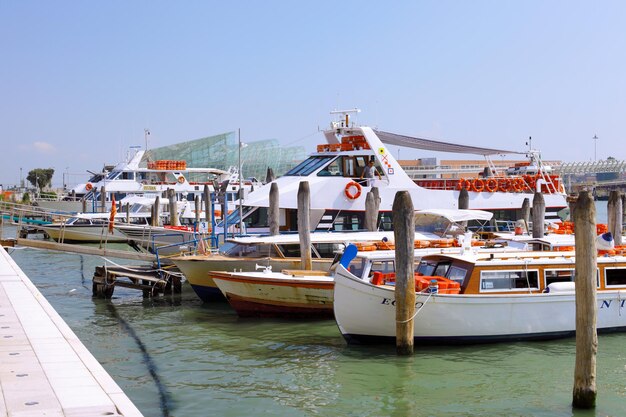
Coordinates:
[480,297]
[338,194]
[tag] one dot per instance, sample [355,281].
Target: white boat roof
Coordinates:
[551,240]
[326,237]
[457,215]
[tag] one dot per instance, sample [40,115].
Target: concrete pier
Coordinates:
[44,369]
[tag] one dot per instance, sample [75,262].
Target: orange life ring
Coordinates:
[88,186]
[478,185]
[348,190]
[518,184]
[491,185]
[504,185]
[181,179]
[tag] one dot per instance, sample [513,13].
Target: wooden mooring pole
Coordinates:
[103,199]
[372,206]
[615,213]
[463,203]
[304,224]
[274,211]
[404,235]
[584,395]
[539,215]
[526,214]
[208,206]
[171,195]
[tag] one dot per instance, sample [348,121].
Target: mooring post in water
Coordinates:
[584,395]
[208,209]
[156,217]
[526,214]
[304,224]
[269,176]
[127,213]
[171,195]
[84,205]
[615,212]
[463,203]
[198,207]
[539,215]
[571,203]
[404,235]
[274,211]
[372,206]
[103,199]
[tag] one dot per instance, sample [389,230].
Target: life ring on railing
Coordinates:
[88,186]
[504,184]
[348,190]
[463,183]
[491,185]
[517,184]
[478,185]
[181,179]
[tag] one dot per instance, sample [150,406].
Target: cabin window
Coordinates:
[509,280]
[558,275]
[328,250]
[442,269]
[334,169]
[615,277]
[426,268]
[457,274]
[290,251]
[309,165]
[251,251]
[383,266]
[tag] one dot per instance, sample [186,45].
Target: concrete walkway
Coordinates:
[44,369]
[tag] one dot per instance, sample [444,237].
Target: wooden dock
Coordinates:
[145,278]
[44,368]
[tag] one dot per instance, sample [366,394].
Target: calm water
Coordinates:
[174,356]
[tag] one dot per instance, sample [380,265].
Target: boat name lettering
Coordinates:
[150,187]
[607,304]
[392,302]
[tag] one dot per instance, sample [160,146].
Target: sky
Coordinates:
[81,80]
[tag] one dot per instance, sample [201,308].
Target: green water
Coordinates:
[175,356]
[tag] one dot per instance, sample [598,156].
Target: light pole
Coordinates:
[21,183]
[240,186]
[595,147]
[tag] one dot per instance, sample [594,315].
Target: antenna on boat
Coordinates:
[146,133]
[346,115]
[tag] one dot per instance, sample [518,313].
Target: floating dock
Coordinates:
[45,370]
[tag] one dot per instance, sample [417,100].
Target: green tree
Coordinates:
[40,177]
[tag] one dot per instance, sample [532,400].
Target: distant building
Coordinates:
[221,152]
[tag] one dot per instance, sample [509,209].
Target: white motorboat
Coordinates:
[131,177]
[475,297]
[338,193]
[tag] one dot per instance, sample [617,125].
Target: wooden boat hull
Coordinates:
[366,313]
[256,295]
[196,270]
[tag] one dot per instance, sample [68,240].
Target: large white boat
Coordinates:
[130,177]
[479,298]
[338,193]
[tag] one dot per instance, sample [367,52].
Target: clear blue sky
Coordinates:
[80,80]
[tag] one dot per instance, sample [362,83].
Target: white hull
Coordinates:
[366,313]
[84,234]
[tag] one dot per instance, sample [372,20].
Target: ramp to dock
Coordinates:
[44,368]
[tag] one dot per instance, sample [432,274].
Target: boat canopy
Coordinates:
[455,216]
[433,145]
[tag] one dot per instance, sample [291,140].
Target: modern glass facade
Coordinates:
[220,151]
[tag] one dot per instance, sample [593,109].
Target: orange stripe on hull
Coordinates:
[250,307]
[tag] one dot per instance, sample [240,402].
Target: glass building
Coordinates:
[220,151]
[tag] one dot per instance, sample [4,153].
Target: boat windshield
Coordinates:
[309,166]
[260,250]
